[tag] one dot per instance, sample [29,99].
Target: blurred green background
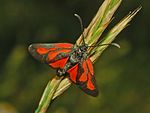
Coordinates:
[123,75]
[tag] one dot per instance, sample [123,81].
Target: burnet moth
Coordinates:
[69,60]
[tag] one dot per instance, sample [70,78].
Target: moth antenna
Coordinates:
[81,25]
[116,45]
[112,44]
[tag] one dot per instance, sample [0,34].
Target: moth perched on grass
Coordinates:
[69,60]
[74,63]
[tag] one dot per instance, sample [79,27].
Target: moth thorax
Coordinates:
[73,58]
[83,48]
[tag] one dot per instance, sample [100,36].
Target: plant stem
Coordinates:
[48,94]
[92,34]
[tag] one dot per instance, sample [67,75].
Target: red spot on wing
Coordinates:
[90,84]
[52,54]
[59,63]
[83,77]
[41,50]
[73,73]
[64,45]
[90,66]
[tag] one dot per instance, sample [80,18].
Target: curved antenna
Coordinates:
[111,44]
[82,28]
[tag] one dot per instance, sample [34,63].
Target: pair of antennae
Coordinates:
[83,38]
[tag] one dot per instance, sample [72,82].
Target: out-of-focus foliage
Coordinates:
[122,74]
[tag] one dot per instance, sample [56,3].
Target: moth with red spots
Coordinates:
[68,60]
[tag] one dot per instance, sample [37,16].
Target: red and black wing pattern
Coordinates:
[55,55]
[82,74]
